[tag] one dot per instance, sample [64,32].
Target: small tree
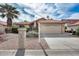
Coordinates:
[65,28]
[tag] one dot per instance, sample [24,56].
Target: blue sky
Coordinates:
[33,11]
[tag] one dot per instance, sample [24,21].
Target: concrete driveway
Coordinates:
[63,44]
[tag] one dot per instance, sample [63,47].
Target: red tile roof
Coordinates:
[41,20]
[52,21]
[38,20]
[75,24]
[22,23]
[70,21]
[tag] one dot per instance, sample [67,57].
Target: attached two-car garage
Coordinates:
[51,26]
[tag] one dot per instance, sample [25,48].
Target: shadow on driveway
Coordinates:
[20,52]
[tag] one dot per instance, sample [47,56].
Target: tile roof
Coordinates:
[75,24]
[40,19]
[52,21]
[43,20]
[22,23]
[70,21]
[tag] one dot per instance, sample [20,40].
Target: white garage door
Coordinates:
[50,28]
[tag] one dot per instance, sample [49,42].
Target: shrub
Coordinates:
[77,31]
[28,29]
[73,32]
[65,28]
[8,30]
[21,26]
[14,30]
[32,34]
[35,29]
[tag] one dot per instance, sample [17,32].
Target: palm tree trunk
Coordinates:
[9,22]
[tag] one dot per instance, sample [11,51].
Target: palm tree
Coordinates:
[9,12]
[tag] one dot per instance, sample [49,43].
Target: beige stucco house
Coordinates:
[46,25]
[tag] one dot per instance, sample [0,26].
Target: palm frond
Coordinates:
[9,10]
[2,15]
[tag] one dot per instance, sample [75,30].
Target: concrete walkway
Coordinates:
[21,53]
[8,52]
[32,47]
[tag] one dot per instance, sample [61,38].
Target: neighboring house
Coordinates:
[24,24]
[3,25]
[51,26]
[71,23]
[74,26]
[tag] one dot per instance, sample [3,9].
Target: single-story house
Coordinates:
[47,25]
[51,26]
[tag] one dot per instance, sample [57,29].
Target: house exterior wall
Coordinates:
[52,28]
[34,25]
[2,28]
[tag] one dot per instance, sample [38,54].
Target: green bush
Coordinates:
[14,30]
[35,29]
[73,32]
[32,34]
[77,31]
[27,29]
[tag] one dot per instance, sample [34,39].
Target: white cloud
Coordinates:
[74,16]
[33,5]
[64,6]
[3,19]
[44,10]
[61,9]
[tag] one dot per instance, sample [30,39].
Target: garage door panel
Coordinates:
[53,28]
